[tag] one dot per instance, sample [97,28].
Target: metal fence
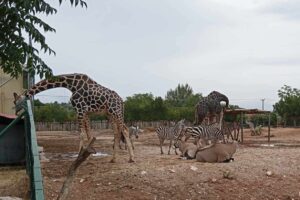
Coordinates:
[33,167]
[96,125]
[32,155]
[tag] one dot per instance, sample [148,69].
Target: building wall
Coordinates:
[6,92]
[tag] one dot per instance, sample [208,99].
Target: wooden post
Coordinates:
[82,156]
[269,124]
[242,129]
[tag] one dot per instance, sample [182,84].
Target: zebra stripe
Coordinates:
[209,132]
[169,133]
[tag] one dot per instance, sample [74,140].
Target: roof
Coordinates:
[245,111]
[8,116]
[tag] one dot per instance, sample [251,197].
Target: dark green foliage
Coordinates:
[288,107]
[182,95]
[179,103]
[231,118]
[263,119]
[53,112]
[18,22]
[144,107]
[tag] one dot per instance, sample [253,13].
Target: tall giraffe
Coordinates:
[88,97]
[210,107]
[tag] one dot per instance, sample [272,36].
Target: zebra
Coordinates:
[231,129]
[134,131]
[207,132]
[169,133]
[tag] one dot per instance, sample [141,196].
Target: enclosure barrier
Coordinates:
[97,125]
[33,167]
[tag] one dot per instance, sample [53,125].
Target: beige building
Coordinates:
[7,87]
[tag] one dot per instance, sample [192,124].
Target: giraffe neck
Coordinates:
[70,82]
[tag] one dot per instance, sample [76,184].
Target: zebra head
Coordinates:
[179,127]
[178,130]
[135,130]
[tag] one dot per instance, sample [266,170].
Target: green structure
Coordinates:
[32,161]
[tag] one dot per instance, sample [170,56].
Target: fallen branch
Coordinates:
[84,153]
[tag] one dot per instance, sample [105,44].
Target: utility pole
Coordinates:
[263,104]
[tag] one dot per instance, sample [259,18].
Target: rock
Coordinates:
[143,172]
[194,168]
[172,170]
[228,175]
[213,180]
[269,173]
[81,180]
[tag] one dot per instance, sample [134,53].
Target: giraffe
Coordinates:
[88,97]
[210,107]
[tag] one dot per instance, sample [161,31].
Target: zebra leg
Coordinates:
[176,151]
[131,141]
[170,147]
[161,144]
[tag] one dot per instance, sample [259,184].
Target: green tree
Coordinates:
[263,119]
[139,107]
[54,112]
[181,102]
[18,22]
[288,106]
[182,95]
[159,109]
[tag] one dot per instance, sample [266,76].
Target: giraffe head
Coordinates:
[219,97]
[17,101]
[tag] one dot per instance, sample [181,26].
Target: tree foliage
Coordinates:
[144,107]
[182,95]
[18,22]
[288,106]
[57,112]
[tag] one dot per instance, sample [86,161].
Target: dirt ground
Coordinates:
[155,176]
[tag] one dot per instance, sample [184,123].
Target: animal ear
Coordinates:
[16,96]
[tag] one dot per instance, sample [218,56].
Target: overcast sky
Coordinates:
[246,49]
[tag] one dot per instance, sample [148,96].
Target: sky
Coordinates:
[246,49]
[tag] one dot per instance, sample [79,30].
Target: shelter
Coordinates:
[242,112]
[8,85]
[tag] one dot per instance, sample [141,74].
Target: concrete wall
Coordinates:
[7,90]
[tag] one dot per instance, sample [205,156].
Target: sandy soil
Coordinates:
[156,176]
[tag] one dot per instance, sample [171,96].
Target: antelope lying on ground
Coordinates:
[187,149]
[217,152]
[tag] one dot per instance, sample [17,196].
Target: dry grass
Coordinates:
[14,182]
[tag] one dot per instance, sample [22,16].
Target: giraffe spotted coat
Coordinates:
[88,97]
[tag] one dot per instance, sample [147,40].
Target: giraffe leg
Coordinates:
[87,126]
[89,134]
[126,135]
[117,138]
[82,132]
